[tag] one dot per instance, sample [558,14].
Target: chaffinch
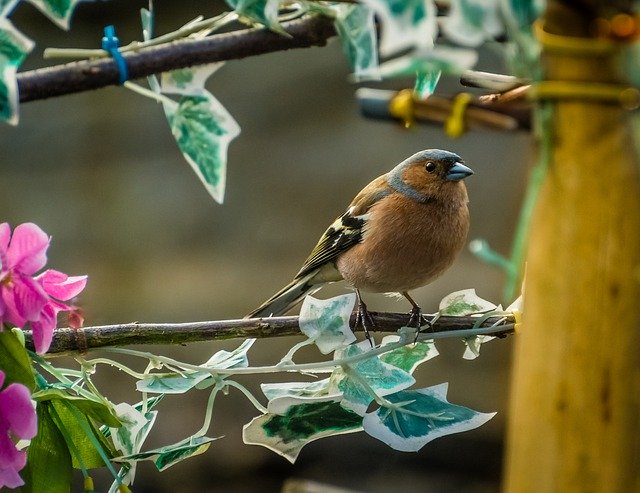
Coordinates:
[402,231]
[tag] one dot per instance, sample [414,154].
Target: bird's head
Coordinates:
[431,173]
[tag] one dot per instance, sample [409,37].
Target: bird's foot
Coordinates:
[364,320]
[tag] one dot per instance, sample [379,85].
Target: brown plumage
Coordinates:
[403,230]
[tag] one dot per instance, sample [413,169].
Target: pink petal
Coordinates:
[27,252]
[42,331]
[9,477]
[27,300]
[5,236]
[18,411]
[60,285]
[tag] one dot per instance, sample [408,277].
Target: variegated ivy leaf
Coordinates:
[59,11]
[7,6]
[439,59]
[167,456]
[358,380]
[264,12]
[426,82]
[357,31]
[203,129]
[14,48]
[128,439]
[420,416]
[300,423]
[295,389]
[405,24]
[179,384]
[473,344]
[326,322]
[465,302]
[188,81]
[408,357]
[471,22]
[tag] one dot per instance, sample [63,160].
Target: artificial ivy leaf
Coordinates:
[326,322]
[14,47]
[188,81]
[96,409]
[357,30]
[295,389]
[357,380]
[128,439]
[7,6]
[473,345]
[48,466]
[421,416]
[173,384]
[405,24]
[426,82]
[299,424]
[264,12]
[203,130]
[15,362]
[167,456]
[231,359]
[58,11]
[470,22]
[439,59]
[408,357]
[465,302]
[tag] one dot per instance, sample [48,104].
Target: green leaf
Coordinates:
[188,81]
[167,456]
[300,423]
[76,426]
[203,130]
[356,27]
[95,409]
[231,359]
[471,22]
[473,346]
[15,362]
[49,468]
[358,380]
[58,11]
[264,12]
[326,322]
[14,46]
[408,357]
[465,302]
[405,24]
[174,384]
[7,6]
[420,416]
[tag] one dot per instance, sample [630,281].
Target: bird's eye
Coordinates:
[430,167]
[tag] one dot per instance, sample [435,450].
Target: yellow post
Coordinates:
[574,423]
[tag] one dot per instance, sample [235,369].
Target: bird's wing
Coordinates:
[346,230]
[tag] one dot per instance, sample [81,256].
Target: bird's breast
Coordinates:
[406,244]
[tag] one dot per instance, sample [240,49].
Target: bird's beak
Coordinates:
[458,172]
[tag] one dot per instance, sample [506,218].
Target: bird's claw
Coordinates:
[364,320]
[420,322]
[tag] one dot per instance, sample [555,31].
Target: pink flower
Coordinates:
[17,419]
[28,299]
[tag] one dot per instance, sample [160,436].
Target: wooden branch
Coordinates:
[85,75]
[67,340]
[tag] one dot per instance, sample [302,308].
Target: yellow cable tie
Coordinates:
[455,126]
[401,107]
[625,96]
[517,317]
[88,484]
[574,45]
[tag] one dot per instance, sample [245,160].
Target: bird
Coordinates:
[400,232]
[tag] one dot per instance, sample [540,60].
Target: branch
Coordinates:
[67,340]
[85,75]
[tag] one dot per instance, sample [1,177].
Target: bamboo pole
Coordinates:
[574,424]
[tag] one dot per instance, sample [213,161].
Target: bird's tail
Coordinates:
[287,297]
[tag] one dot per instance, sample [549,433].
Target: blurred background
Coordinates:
[101,173]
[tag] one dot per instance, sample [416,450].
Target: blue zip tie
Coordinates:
[111,43]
